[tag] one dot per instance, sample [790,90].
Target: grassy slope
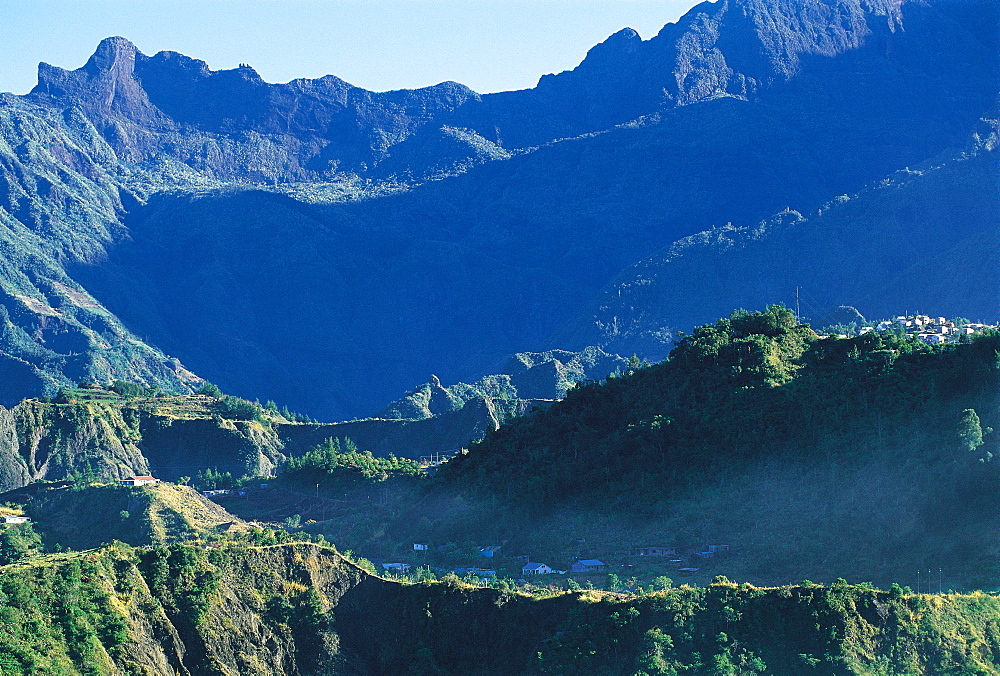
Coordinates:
[85,518]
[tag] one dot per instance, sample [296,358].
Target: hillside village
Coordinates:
[930,330]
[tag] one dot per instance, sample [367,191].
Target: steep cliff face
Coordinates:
[178,610]
[61,196]
[13,471]
[56,441]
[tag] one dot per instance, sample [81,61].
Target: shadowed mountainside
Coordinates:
[907,260]
[540,197]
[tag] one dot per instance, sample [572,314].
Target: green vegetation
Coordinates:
[337,464]
[18,541]
[84,516]
[95,433]
[866,458]
[301,608]
[749,387]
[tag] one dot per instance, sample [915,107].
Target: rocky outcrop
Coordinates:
[13,470]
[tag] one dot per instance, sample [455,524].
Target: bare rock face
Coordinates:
[13,473]
[105,86]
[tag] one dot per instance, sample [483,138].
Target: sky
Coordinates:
[489,45]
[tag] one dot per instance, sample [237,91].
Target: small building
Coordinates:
[489,551]
[588,566]
[396,567]
[420,546]
[932,338]
[535,568]
[138,481]
[704,555]
[14,519]
[687,571]
[656,551]
[718,549]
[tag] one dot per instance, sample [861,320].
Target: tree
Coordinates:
[17,542]
[662,583]
[132,390]
[614,583]
[970,430]
[210,390]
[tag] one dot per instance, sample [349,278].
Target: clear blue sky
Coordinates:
[489,45]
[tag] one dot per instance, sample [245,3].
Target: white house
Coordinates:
[14,519]
[397,567]
[420,547]
[138,481]
[535,569]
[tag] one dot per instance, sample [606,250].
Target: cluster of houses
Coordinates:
[533,569]
[930,330]
[588,566]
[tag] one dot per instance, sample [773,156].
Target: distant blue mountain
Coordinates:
[326,246]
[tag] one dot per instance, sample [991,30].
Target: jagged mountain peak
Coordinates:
[627,39]
[111,53]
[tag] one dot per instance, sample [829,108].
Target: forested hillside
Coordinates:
[751,386]
[866,457]
[300,608]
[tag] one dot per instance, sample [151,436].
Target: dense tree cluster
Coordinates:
[339,462]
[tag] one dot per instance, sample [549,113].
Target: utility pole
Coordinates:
[918,580]
[798,313]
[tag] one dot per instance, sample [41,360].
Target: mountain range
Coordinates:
[327,247]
